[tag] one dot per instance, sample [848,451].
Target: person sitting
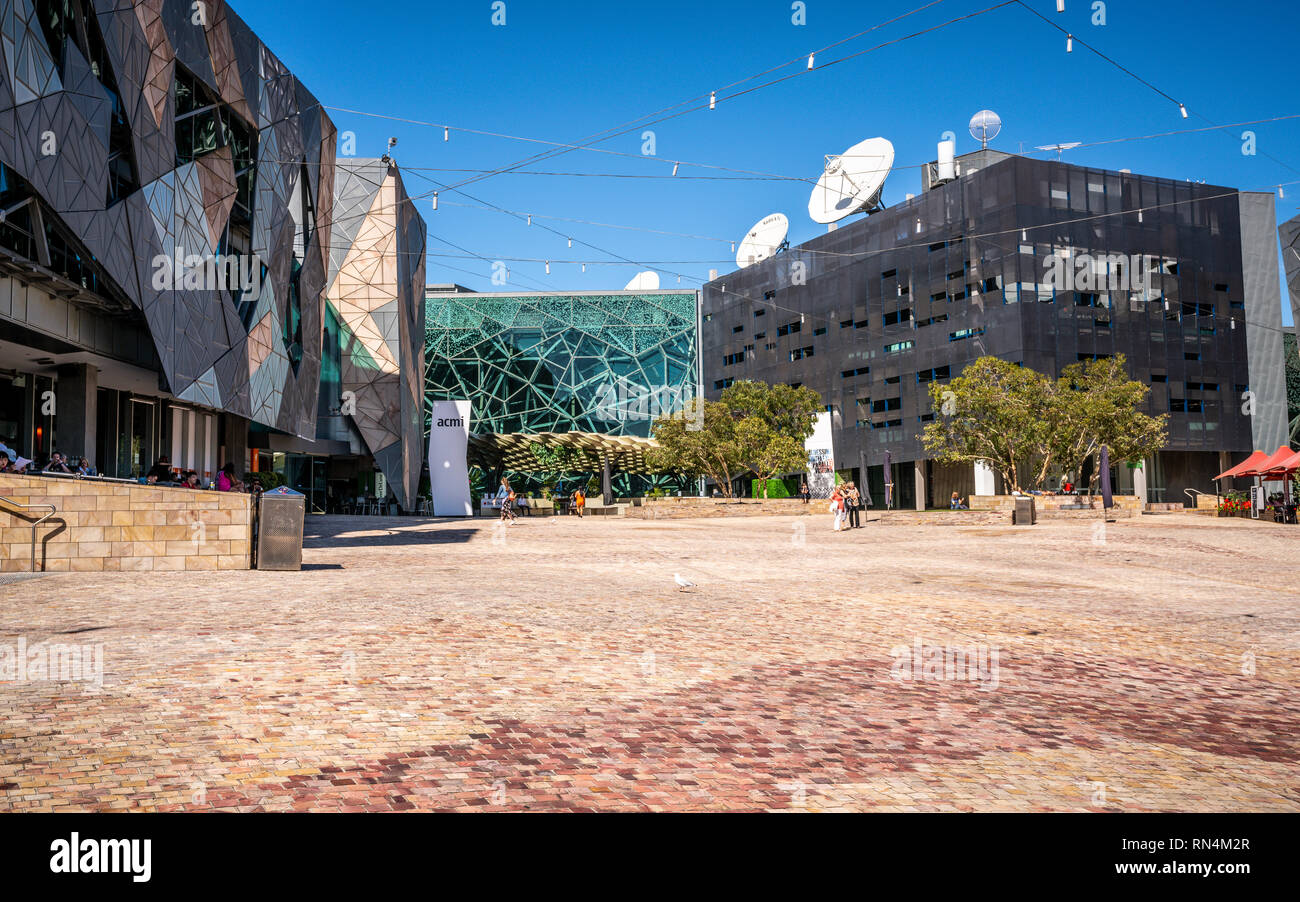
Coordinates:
[83,467]
[955,503]
[6,466]
[160,472]
[57,465]
[227,481]
[191,480]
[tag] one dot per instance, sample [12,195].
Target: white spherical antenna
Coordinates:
[851,182]
[643,281]
[984,126]
[764,239]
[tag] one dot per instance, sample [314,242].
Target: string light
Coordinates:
[570,242]
[713,99]
[1060,6]
[810,60]
[1182,109]
[435,200]
[530,218]
[446,133]
[675,165]
[1069,43]
[548,267]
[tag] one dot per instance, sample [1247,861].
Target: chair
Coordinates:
[425,507]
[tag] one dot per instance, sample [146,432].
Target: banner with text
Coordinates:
[448,469]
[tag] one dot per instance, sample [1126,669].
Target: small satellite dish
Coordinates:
[984,126]
[764,239]
[851,182]
[643,281]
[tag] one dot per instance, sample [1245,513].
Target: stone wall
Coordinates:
[105,525]
[1052,503]
[683,508]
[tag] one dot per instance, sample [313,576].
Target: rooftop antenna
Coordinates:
[984,127]
[1060,147]
[851,182]
[387,157]
[765,239]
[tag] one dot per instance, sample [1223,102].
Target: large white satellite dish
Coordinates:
[643,281]
[984,126]
[851,182]
[764,239]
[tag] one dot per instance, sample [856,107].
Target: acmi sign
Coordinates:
[444,422]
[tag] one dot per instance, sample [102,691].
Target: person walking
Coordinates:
[579,501]
[837,507]
[508,503]
[853,500]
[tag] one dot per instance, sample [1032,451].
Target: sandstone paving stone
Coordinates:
[438,664]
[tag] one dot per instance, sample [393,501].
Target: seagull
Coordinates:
[682,582]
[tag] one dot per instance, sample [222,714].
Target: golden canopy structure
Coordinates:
[589,450]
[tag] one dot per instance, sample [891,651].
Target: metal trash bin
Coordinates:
[1025,514]
[280,517]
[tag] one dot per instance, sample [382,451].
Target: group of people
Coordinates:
[161,473]
[510,500]
[846,505]
[13,462]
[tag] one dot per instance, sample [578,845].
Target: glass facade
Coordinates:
[602,363]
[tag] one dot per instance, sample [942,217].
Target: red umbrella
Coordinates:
[1239,469]
[1269,463]
[1290,465]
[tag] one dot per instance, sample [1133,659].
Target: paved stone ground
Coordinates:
[556,665]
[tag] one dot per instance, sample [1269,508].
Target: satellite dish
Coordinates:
[984,126]
[643,281]
[851,182]
[764,239]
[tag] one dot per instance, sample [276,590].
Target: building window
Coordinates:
[961,334]
[720,384]
[801,353]
[788,328]
[732,359]
[760,311]
[819,331]
[895,317]
[735,329]
[898,346]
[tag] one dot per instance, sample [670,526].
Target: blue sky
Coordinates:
[560,71]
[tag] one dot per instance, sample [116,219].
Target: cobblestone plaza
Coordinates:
[1148,664]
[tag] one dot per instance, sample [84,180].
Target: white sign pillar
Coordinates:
[1140,485]
[984,481]
[821,457]
[448,468]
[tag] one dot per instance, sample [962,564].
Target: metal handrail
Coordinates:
[52,511]
[1192,493]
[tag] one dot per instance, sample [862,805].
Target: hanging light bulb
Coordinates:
[800,317]
[1139,215]
[1281,192]
[548,267]
[1024,235]
[1182,109]
[675,165]
[1060,6]
[446,133]
[530,218]
[1069,43]
[713,99]
[679,280]
[584,267]
[1234,324]
[810,60]
[733,247]
[570,242]
[435,200]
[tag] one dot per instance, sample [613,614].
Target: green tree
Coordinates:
[752,428]
[1291,351]
[711,450]
[1096,404]
[994,411]
[766,451]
